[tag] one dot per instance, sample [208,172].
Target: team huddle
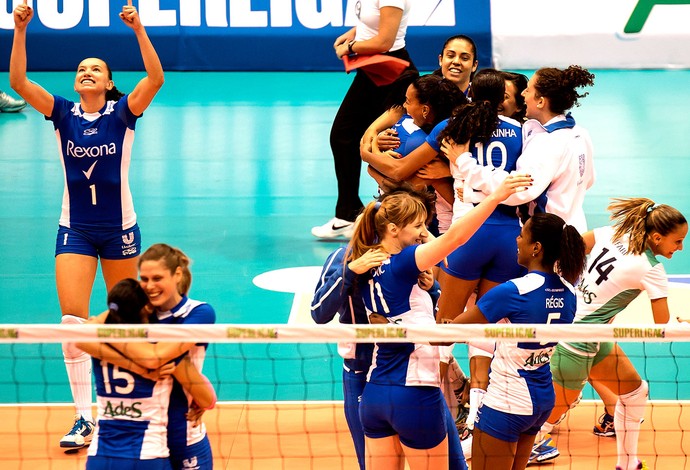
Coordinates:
[480,219]
[482,178]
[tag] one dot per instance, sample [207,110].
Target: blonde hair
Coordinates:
[638,217]
[172,259]
[399,208]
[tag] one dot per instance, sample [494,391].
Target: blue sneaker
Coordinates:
[80,435]
[543,451]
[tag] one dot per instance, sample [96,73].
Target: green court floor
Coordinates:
[235,168]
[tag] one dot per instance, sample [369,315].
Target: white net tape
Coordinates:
[282,333]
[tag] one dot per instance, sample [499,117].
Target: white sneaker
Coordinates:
[334,228]
[9,104]
[80,435]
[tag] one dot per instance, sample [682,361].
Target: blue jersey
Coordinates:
[392,291]
[410,134]
[181,433]
[132,414]
[520,378]
[501,152]
[338,293]
[95,149]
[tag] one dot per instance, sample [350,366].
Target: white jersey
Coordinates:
[559,157]
[614,278]
[369,15]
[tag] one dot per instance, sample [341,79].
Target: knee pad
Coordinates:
[634,403]
[570,407]
[69,350]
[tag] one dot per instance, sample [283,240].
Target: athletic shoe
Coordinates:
[543,451]
[642,465]
[9,104]
[80,435]
[334,228]
[605,427]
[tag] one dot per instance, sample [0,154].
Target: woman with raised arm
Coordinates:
[95,136]
[402,409]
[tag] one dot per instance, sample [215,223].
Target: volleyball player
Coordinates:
[622,263]
[458,61]
[402,408]
[95,138]
[132,407]
[337,293]
[556,151]
[429,100]
[520,396]
[488,258]
[166,278]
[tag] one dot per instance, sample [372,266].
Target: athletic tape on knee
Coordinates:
[69,350]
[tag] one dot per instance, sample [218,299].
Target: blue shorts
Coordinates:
[107,244]
[490,254]
[96,462]
[197,456]
[509,427]
[416,414]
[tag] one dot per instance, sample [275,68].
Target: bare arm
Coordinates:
[428,254]
[400,169]
[383,122]
[660,310]
[389,22]
[195,383]
[153,355]
[33,94]
[471,315]
[142,95]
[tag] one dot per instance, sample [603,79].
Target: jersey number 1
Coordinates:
[93,194]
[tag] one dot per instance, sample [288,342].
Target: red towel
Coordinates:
[380,68]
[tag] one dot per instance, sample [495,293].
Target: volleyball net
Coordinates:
[280,389]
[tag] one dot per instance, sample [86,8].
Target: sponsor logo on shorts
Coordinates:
[128,247]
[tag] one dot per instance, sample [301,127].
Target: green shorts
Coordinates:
[571,370]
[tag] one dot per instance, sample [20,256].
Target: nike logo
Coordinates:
[90,170]
[339,227]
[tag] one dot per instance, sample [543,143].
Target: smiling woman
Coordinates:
[98,218]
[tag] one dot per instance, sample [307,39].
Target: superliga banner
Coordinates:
[228,34]
[529,34]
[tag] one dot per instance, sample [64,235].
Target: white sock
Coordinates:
[476,398]
[626,419]
[78,365]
